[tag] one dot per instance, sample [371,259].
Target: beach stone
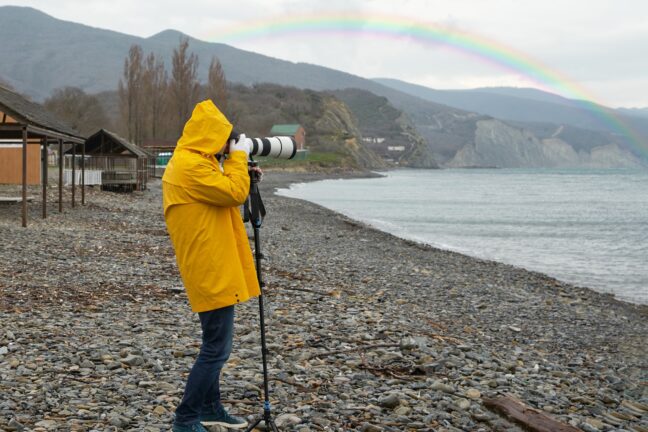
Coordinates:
[589,428]
[402,411]
[390,401]
[14,425]
[119,421]
[596,423]
[46,424]
[160,410]
[285,420]
[113,365]
[87,364]
[439,386]
[320,421]
[132,360]
[473,394]
[367,427]
[462,404]
[408,343]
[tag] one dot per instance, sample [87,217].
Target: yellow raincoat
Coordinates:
[202,215]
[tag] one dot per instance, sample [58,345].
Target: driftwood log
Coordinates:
[528,418]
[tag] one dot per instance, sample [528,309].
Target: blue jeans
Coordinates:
[202,393]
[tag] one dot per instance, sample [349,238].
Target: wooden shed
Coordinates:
[26,131]
[124,166]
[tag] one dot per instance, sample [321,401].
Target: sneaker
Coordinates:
[196,427]
[222,418]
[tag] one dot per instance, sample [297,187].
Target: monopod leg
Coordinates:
[267,410]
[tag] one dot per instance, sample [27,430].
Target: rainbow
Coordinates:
[427,33]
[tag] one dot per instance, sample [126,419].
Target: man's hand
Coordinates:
[256,171]
[241,145]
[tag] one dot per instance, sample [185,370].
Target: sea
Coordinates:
[586,227]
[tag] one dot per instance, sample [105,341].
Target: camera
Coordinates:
[280,147]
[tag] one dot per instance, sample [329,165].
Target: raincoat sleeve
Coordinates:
[207,184]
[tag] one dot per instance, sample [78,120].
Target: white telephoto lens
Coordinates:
[282,147]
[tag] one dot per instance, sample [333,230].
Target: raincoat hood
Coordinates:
[206,131]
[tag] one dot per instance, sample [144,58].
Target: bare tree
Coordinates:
[131,94]
[217,85]
[184,86]
[81,111]
[155,87]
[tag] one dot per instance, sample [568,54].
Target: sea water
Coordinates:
[586,227]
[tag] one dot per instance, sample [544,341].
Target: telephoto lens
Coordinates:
[280,147]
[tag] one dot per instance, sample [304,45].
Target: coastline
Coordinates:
[390,228]
[367,331]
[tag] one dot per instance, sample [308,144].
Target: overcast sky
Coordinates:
[601,45]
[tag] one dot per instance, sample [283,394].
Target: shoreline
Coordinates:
[366,331]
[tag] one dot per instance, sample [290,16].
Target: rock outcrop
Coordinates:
[497,144]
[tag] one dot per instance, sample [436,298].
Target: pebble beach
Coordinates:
[366,331]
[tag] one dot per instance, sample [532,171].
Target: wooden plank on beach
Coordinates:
[13,200]
[528,418]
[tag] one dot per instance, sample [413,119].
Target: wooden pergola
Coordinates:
[24,121]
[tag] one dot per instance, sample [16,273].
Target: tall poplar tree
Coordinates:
[155,87]
[217,84]
[131,94]
[184,86]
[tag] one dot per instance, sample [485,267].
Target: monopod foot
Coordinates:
[267,425]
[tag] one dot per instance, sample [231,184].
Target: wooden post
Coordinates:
[60,185]
[44,179]
[529,418]
[83,174]
[24,177]
[73,172]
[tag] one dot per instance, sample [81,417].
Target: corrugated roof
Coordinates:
[31,113]
[284,129]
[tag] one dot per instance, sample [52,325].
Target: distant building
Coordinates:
[162,150]
[293,130]
[373,140]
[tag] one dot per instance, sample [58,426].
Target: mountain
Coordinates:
[635,112]
[46,53]
[526,93]
[525,105]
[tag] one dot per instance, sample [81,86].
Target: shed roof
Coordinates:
[285,129]
[159,144]
[105,142]
[30,113]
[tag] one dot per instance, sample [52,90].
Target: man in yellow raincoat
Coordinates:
[201,201]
